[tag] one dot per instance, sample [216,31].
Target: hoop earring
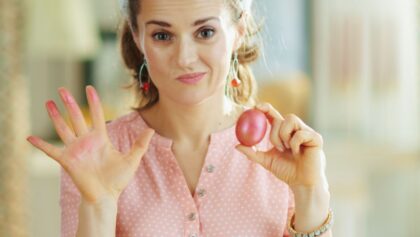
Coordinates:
[144,86]
[235,82]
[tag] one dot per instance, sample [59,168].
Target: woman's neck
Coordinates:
[192,125]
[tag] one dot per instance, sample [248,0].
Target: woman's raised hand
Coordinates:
[97,169]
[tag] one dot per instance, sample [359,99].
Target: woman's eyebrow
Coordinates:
[202,21]
[196,23]
[159,23]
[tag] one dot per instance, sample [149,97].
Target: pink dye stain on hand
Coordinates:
[87,148]
[251,127]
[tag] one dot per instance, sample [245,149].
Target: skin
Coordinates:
[101,172]
[182,48]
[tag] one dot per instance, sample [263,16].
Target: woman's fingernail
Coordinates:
[52,108]
[151,132]
[66,96]
[92,93]
[280,148]
[31,139]
[296,152]
[62,94]
[265,107]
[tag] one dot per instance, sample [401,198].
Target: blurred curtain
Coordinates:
[366,74]
[13,123]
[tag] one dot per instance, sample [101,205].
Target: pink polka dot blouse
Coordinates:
[234,196]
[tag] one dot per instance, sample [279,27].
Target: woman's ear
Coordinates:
[241,26]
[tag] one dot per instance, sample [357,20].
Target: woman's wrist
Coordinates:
[98,218]
[312,205]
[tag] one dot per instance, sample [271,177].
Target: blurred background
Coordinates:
[350,69]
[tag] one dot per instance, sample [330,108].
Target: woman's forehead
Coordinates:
[181,9]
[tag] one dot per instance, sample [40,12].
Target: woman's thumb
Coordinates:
[254,155]
[141,145]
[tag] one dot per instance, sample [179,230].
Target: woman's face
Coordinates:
[188,46]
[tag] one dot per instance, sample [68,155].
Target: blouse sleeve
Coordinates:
[290,211]
[69,203]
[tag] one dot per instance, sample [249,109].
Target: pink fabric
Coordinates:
[234,196]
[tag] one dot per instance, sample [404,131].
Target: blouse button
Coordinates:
[210,168]
[191,216]
[201,192]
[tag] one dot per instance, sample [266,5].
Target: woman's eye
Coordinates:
[161,36]
[206,33]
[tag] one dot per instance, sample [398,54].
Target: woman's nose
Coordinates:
[187,53]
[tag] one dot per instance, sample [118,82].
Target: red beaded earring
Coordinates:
[235,82]
[146,85]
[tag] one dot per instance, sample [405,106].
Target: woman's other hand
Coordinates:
[297,157]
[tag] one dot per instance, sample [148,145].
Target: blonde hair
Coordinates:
[248,52]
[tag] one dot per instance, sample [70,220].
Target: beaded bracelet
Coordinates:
[321,230]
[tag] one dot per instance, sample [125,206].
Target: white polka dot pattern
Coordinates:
[234,196]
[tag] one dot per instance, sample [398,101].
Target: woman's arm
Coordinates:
[97,219]
[311,208]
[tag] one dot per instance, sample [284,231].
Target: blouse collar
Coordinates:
[225,136]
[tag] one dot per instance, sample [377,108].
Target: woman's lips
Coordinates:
[191,78]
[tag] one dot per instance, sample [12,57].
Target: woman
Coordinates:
[174,166]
